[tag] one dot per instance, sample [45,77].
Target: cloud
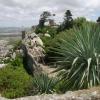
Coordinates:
[27,12]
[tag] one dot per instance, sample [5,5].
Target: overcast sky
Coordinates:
[27,12]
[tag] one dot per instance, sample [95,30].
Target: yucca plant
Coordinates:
[78,58]
[44,84]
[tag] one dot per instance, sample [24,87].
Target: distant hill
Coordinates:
[12,29]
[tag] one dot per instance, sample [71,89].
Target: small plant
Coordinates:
[44,84]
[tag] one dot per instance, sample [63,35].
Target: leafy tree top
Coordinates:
[45,15]
[98,20]
[68,16]
[68,13]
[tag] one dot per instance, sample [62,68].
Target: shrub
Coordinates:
[41,30]
[52,43]
[52,31]
[17,61]
[79,58]
[79,21]
[44,84]
[14,82]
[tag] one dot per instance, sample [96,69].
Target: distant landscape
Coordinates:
[10,33]
[12,30]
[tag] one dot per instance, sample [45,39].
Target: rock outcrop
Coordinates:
[34,46]
[32,53]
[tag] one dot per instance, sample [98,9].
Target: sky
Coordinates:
[25,13]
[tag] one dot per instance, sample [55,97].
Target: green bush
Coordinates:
[52,43]
[79,58]
[41,30]
[51,30]
[14,82]
[79,21]
[17,61]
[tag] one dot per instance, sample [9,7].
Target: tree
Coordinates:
[43,18]
[98,20]
[68,16]
[68,21]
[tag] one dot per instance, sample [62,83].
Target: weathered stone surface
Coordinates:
[34,46]
[90,94]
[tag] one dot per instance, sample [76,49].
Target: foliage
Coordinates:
[78,22]
[44,84]
[51,43]
[43,18]
[41,30]
[98,20]
[16,62]
[46,41]
[79,57]
[52,31]
[45,15]
[67,23]
[47,29]
[14,81]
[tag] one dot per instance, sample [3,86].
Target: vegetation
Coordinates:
[52,31]
[44,84]
[43,18]
[73,48]
[67,23]
[14,81]
[17,61]
[98,20]
[78,58]
[78,22]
